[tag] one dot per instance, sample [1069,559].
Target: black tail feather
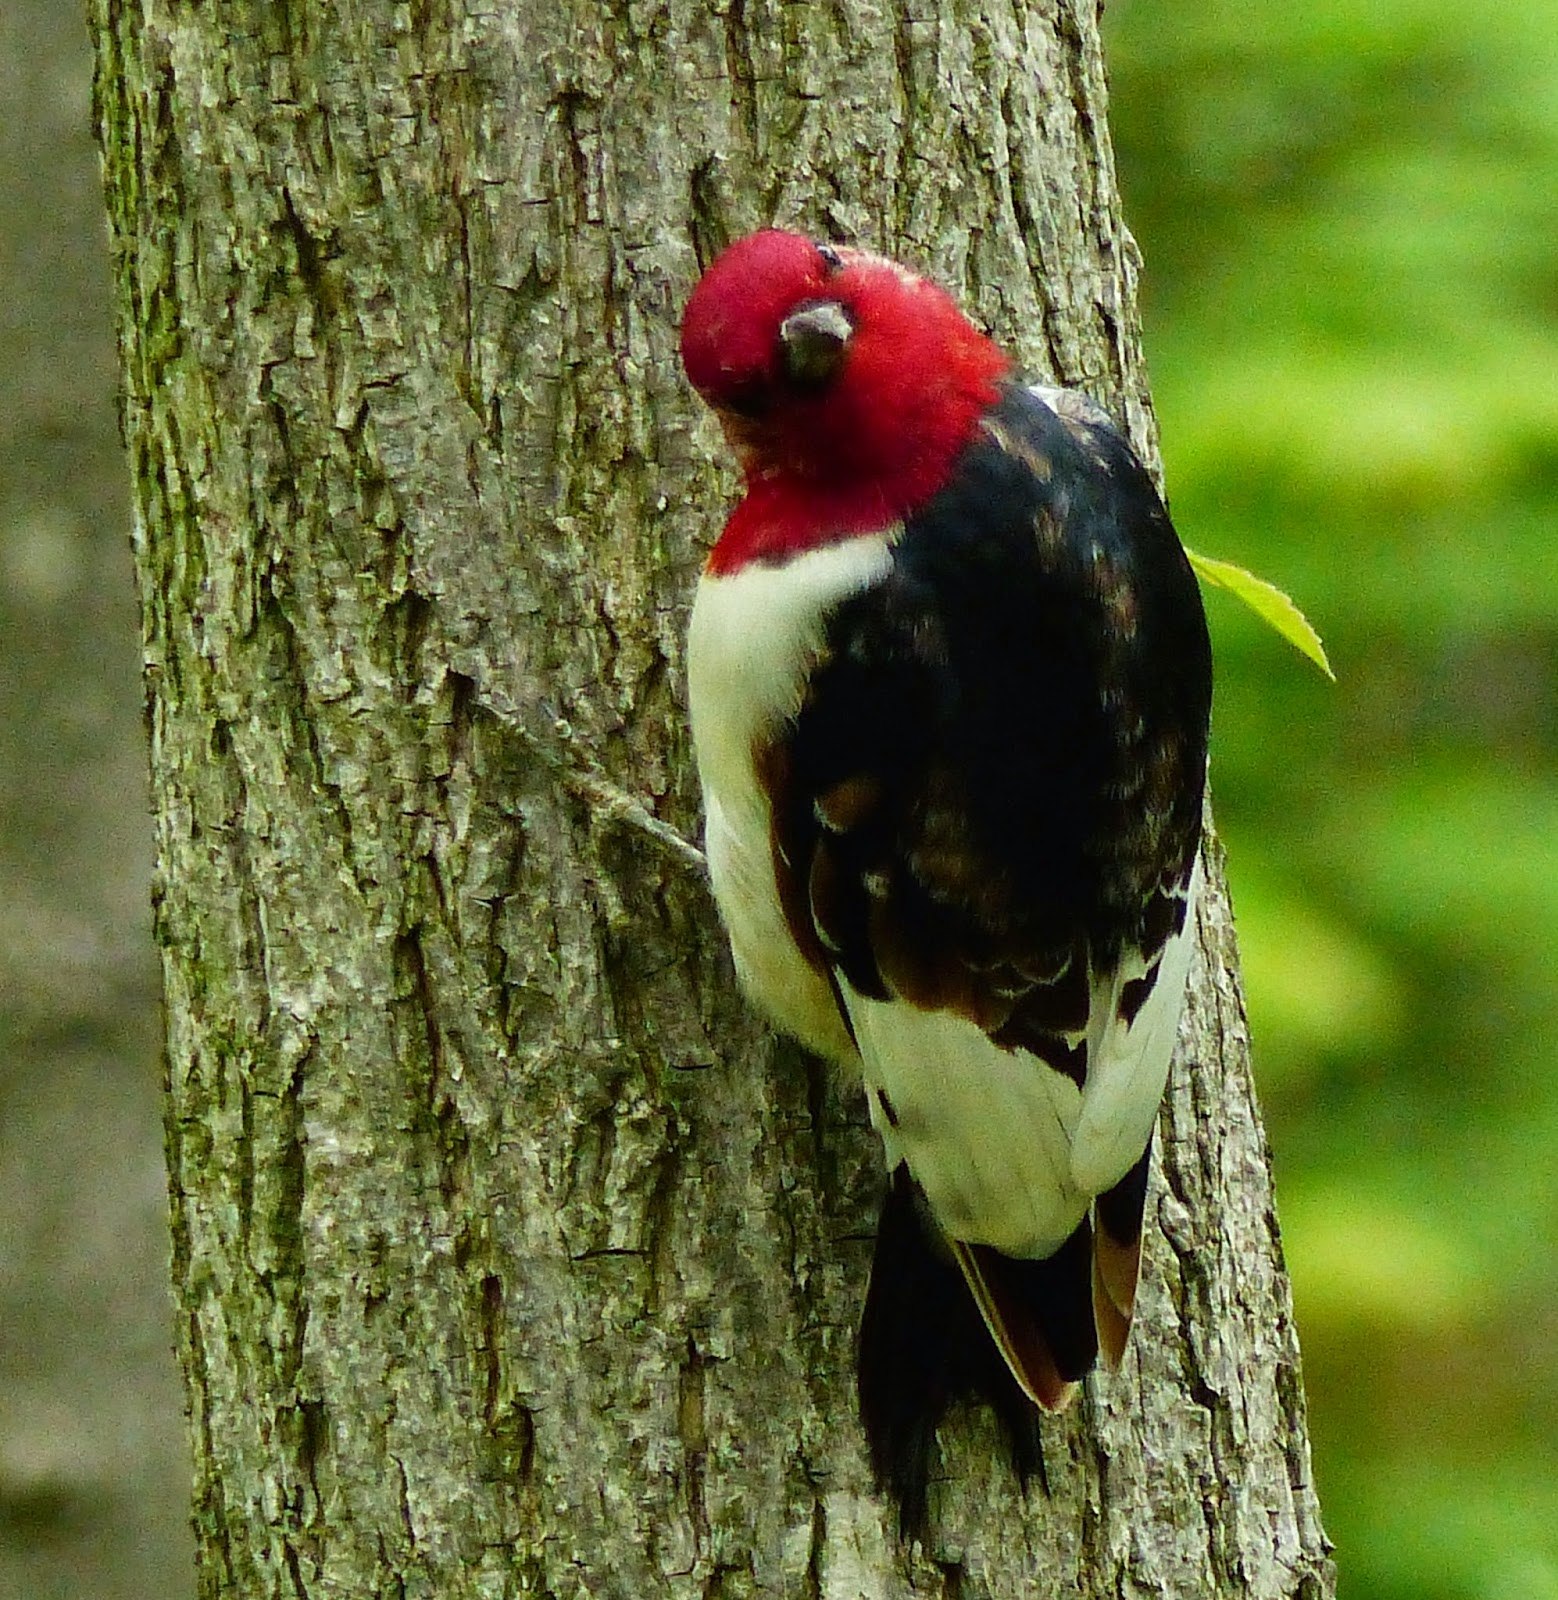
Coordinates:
[924,1347]
[1120,1209]
[1041,1314]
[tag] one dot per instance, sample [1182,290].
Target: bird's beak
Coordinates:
[813,340]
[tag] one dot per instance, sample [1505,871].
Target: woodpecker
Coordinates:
[950,682]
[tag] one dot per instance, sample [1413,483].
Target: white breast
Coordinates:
[756,634]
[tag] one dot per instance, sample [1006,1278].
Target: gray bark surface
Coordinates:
[512,1255]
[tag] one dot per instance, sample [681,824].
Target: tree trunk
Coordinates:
[512,1256]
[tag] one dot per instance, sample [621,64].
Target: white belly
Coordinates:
[755,635]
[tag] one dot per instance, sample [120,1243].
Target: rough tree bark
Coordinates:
[511,1255]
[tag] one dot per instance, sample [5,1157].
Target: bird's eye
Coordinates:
[749,400]
[833,260]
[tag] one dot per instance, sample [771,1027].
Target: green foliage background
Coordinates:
[1349,213]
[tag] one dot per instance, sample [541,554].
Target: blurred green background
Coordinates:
[1349,216]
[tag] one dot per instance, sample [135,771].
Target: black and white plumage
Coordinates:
[953,771]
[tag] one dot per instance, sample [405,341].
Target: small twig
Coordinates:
[579,774]
[618,806]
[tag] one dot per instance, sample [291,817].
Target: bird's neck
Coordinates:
[779,518]
[851,475]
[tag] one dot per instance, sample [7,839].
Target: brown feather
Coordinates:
[1115,1270]
[1023,1348]
[1117,1222]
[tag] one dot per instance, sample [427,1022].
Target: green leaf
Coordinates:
[1268,603]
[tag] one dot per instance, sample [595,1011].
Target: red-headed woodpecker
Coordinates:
[950,684]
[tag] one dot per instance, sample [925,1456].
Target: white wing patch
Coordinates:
[987,1132]
[1128,1063]
[1010,1153]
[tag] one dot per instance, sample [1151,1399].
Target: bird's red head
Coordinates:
[846,384]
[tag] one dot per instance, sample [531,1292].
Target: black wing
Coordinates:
[989,802]
[999,766]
